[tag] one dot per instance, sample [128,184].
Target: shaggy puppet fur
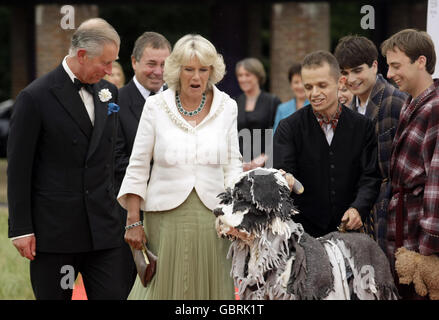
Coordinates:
[274,258]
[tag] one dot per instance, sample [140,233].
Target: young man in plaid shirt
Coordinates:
[413,213]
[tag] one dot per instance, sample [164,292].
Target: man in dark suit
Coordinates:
[62,208]
[148,60]
[331,150]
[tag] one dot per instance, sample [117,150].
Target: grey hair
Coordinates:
[149,39]
[188,47]
[92,35]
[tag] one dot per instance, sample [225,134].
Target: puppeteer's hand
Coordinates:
[26,246]
[352,219]
[293,183]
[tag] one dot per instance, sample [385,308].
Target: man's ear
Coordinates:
[133,63]
[81,55]
[422,62]
[375,66]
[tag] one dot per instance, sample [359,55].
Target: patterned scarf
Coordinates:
[333,120]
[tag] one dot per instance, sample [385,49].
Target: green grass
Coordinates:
[14,269]
[3,181]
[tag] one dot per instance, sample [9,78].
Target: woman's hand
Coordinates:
[257,162]
[134,236]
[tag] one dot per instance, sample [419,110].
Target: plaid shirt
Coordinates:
[414,168]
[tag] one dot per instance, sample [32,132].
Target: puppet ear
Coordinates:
[288,208]
[265,190]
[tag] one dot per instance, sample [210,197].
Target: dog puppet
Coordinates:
[274,258]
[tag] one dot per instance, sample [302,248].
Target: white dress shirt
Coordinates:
[86,96]
[361,109]
[328,131]
[143,91]
[205,157]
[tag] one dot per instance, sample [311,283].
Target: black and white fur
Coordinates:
[274,258]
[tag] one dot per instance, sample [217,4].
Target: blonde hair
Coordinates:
[188,47]
[117,65]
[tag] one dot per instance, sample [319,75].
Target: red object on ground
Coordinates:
[79,290]
[80,294]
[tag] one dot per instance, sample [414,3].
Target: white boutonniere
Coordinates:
[105,95]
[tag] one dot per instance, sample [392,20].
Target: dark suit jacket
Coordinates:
[61,168]
[334,177]
[131,104]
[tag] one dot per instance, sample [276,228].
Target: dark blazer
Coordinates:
[336,177]
[131,104]
[262,117]
[60,168]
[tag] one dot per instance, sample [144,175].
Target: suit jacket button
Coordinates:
[75,141]
[332,166]
[86,192]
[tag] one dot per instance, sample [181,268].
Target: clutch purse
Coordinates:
[146,263]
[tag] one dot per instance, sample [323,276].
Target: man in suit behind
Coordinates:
[148,59]
[331,150]
[62,210]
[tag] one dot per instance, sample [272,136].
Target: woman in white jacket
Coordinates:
[190,131]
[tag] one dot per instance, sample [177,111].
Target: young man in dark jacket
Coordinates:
[381,102]
[331,150]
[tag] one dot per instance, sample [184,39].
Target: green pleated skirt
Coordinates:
[192,262]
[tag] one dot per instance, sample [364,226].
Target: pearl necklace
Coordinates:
[183,111]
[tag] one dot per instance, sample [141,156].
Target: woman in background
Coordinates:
[344,95]
[288,108]
[256,111]
[117,77]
